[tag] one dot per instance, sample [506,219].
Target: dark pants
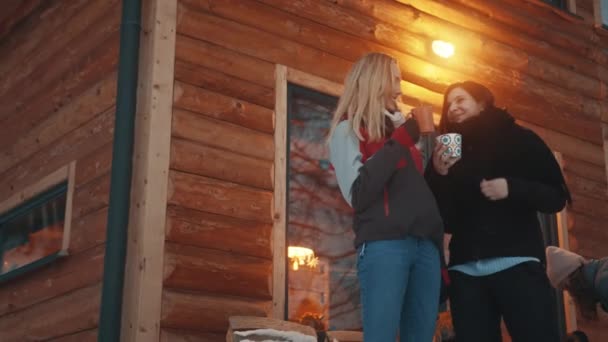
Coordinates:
[521,295]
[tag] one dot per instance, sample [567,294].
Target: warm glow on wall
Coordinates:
[301,256]
[443,49]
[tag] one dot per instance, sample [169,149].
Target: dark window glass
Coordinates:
[32,231]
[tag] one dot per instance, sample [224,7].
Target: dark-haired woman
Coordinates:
[489,198]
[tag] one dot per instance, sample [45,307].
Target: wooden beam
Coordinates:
[568,145]
[221,134]
[195,158]
[590,206]
[220,82]
[583,169]
[597,13]
[222,107]
[69,204]
[586,187]
[220,197]
[207,270]
[314,82]
[218,58]
[605,138]
[202,229]
[207,313]
[279,230]
[141,311]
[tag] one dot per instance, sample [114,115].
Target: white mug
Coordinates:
[454,143]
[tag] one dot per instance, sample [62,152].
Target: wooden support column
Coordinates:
[605,138]
[279,230]
[145,250]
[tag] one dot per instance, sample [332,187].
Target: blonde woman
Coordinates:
[398,229]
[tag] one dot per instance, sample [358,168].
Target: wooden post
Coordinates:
[67,225]
[562,235]
[597,12]
[279,230]
[605,138]
[145,250]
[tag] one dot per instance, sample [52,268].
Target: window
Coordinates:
[557,3]
[321,287]
[33,231]
[602,10]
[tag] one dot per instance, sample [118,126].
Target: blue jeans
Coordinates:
[399,282]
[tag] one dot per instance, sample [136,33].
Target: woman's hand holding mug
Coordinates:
[397,118]
[442,161]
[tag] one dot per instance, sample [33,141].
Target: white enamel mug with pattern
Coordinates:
[454,143]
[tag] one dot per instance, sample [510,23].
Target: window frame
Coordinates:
[562,236]
[35,194]
[600,21]
[284,76]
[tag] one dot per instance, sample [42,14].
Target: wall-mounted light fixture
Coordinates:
[301,256]
[443,49]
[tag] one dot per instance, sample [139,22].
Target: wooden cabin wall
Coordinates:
[547,69]
[58,62]
[584,9]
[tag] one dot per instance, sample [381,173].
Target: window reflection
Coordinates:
[32,231]
[323,293]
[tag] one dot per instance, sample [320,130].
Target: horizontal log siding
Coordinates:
[57,98]
[554,82]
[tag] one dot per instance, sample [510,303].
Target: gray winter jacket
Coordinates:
[596,273]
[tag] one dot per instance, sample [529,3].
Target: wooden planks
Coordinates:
[78,112]
[60,278]
[57,317]
[219,134]
[212,271]
[207,161]
[219,197]
[207,313]
[202,229]
[223,83]
[222,107]
[226,51]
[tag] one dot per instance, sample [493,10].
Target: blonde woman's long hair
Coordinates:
[368,82]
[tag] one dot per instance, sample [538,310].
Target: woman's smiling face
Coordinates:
[462,106]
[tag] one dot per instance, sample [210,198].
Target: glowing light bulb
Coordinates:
[443,49]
